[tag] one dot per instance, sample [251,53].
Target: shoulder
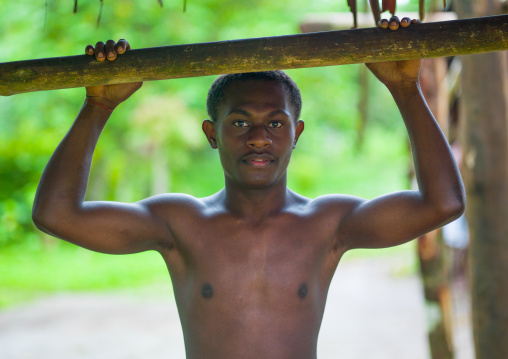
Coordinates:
[327,214]
[335,209]
[339,204]
[332,208]
[173,202]
[178,213]
[178,205]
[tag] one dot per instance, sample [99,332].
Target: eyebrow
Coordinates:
[278,112]
[240,112]
[248,114]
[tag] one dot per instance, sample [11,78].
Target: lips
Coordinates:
[258,160]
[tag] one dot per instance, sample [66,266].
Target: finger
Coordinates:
[111,50]
[121,46]
[405,22]
[383,23]
[99,51]
[394,23]
[89,50]
[416,21]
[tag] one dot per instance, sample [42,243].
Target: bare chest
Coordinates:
[252,281]
[285,257]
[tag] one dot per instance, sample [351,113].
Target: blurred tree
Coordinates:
[31,125]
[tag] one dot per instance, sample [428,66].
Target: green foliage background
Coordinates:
[153,142]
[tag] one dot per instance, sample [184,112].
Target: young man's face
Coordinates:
[255,133]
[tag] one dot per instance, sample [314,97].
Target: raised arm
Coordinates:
[59,208]
[399,217]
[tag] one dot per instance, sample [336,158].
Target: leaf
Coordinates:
[389,5]
[374,7]
[352,6]
[184,5]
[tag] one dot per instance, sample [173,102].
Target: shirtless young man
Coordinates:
[251,264]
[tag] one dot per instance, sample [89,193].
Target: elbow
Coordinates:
[457,209]
[43,218]
[52,218]
[39,220]
[451,209]
[46,225]
[447,204]
[459,203]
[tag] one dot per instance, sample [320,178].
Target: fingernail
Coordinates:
[100,55]
[120,49]
[111,54]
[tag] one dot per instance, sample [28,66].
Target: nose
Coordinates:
[258,137]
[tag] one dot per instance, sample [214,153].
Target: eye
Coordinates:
[275,124]
[240,123]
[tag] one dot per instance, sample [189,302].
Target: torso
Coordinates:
[251,290]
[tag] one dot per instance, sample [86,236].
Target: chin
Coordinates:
[255,179]
[256,183]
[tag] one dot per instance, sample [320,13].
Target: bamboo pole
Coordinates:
[447,38]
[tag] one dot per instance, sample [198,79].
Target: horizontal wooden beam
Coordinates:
[447,38]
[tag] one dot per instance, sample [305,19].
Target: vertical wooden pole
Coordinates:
[484,115]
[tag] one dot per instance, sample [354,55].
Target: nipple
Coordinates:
[207,291]
[302,291]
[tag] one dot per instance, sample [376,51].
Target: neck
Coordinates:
[255,203]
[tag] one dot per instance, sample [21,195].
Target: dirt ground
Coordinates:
[375,309]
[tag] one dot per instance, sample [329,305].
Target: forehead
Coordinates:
[255,95]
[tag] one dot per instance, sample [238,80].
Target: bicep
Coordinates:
[388,220]
[111,227]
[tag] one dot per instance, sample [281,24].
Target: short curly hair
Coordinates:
[216,92]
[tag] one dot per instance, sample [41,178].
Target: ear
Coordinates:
[298,131]
[209,130]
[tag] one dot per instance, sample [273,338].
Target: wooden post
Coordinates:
[282,52]
[484,135]
[433,269]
